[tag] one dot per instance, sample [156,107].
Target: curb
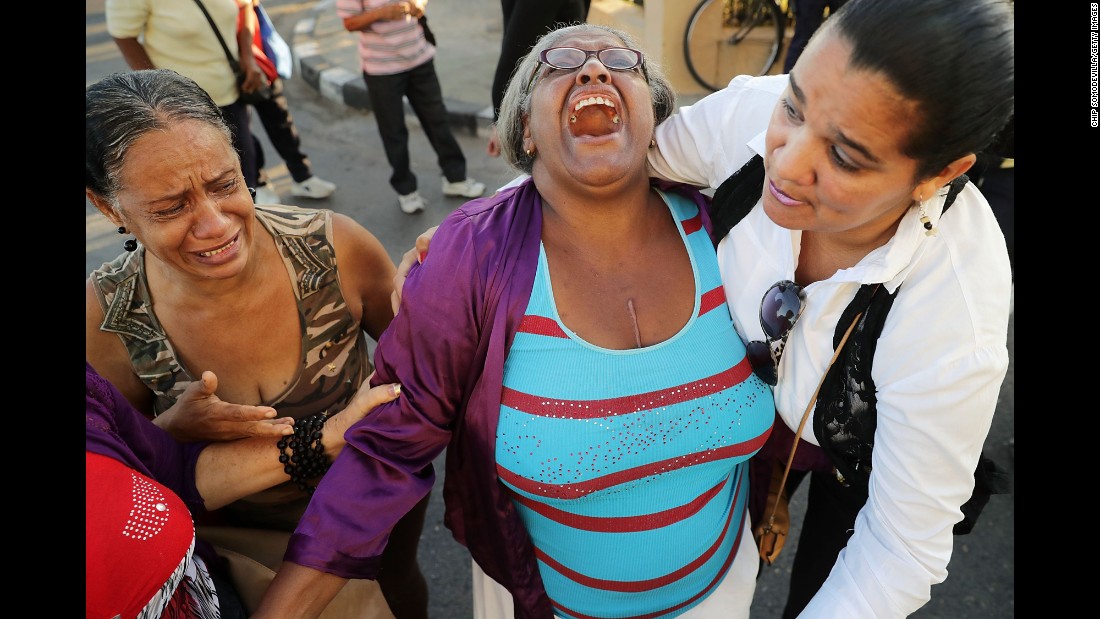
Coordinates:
[341,86]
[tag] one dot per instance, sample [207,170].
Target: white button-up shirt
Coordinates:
[941,357]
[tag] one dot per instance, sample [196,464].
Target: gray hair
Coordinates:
[516,103]
[123,107]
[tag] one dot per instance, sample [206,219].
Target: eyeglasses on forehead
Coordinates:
[616,58]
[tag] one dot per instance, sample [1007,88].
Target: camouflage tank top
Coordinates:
[335,363]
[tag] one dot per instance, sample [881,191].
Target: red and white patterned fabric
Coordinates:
[139,554]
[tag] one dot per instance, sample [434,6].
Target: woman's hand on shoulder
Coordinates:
[364,401]
[200,415]
[415,255]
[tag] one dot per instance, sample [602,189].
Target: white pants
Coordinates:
[730,600]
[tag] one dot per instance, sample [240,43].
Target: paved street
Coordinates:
[345,148]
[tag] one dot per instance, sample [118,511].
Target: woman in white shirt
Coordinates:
[887,105]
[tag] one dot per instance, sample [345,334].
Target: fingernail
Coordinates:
[395,389]
[420,257]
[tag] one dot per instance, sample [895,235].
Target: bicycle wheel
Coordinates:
[727,38]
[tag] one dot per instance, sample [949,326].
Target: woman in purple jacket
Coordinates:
[570,345]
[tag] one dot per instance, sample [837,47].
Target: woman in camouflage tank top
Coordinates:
[214,282]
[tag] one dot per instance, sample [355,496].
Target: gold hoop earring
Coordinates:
[929,229]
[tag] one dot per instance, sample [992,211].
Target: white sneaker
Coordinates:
[313,187]
[266,195]
[468,188]
[411,203]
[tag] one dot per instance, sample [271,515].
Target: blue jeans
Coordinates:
[421,87]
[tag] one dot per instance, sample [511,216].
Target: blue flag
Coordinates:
[274,45]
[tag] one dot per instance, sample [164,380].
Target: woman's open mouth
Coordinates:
[594,116]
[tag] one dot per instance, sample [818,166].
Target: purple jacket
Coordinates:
[446,346]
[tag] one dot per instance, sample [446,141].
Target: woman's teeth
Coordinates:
[593,101]
[215,252]
[583,103]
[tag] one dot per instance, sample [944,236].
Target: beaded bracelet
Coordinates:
[308,459]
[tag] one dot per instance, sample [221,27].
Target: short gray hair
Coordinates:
[516,103]
[122,107]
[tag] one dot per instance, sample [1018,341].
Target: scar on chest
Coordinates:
[634,322]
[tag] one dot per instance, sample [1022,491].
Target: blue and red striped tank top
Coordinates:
[629,467]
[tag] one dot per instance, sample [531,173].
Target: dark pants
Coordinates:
[229,600]
[829,521]
[237,115]
[808,15]
[279,127]
[524,22]
[399,577]
[421,87]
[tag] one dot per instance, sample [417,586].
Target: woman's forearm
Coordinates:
[298,592]
[391,11]
[134,54]
[231,470]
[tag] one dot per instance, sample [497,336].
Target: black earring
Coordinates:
[130,244]
[252,192]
